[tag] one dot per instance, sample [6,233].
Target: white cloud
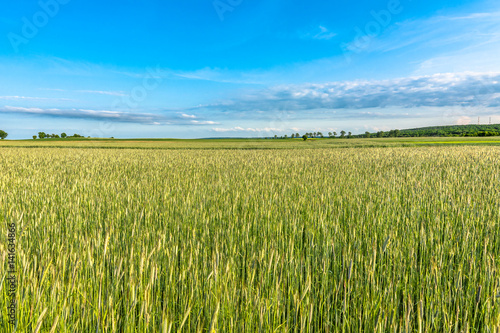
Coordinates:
[324,33]
[439,90]
[107,115]
[248,129]
[51,89]
[28,98]
[101,92]
[116,116]
[438,31]
[206,122]
[222,76]
[319,33]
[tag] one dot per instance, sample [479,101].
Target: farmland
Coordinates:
[337,237]
[251,143]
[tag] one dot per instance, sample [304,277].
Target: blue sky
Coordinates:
[210,68]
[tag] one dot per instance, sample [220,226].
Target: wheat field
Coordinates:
[317,240]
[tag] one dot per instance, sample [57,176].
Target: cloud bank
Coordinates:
[361,98]
[103,115]
[440,90]
[106,115]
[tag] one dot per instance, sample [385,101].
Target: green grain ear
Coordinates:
[307,239]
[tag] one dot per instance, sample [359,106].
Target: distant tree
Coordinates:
[63,135]
[275,136]
[334,134]
[397,133]
[367,134]
[380,134]
[320,134]
[330,134]
[349,135]
[34,137]
[304,137]
[41,135]
[293,135]
[286,136]
[342,134]
[3,134]
[297,135]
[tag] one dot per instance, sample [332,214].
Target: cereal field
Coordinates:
[313,240]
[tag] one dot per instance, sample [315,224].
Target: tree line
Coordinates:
[43,135]
[446,131]
[316,135]
[440,131]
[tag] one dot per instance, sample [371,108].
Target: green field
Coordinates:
[251,143]
[180,237]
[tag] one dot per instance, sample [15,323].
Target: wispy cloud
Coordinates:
[222,76]
[442,32]
[319,33]
[197,122]
[108,115]
[204,122]
[439,44]
[29,98]
[249,129]
[104,115]
[51,89]
[474,16]
[101,92]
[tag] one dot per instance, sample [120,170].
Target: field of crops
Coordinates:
[314,143]
[314,240]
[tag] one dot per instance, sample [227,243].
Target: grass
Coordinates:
[277,240]
[250,143]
